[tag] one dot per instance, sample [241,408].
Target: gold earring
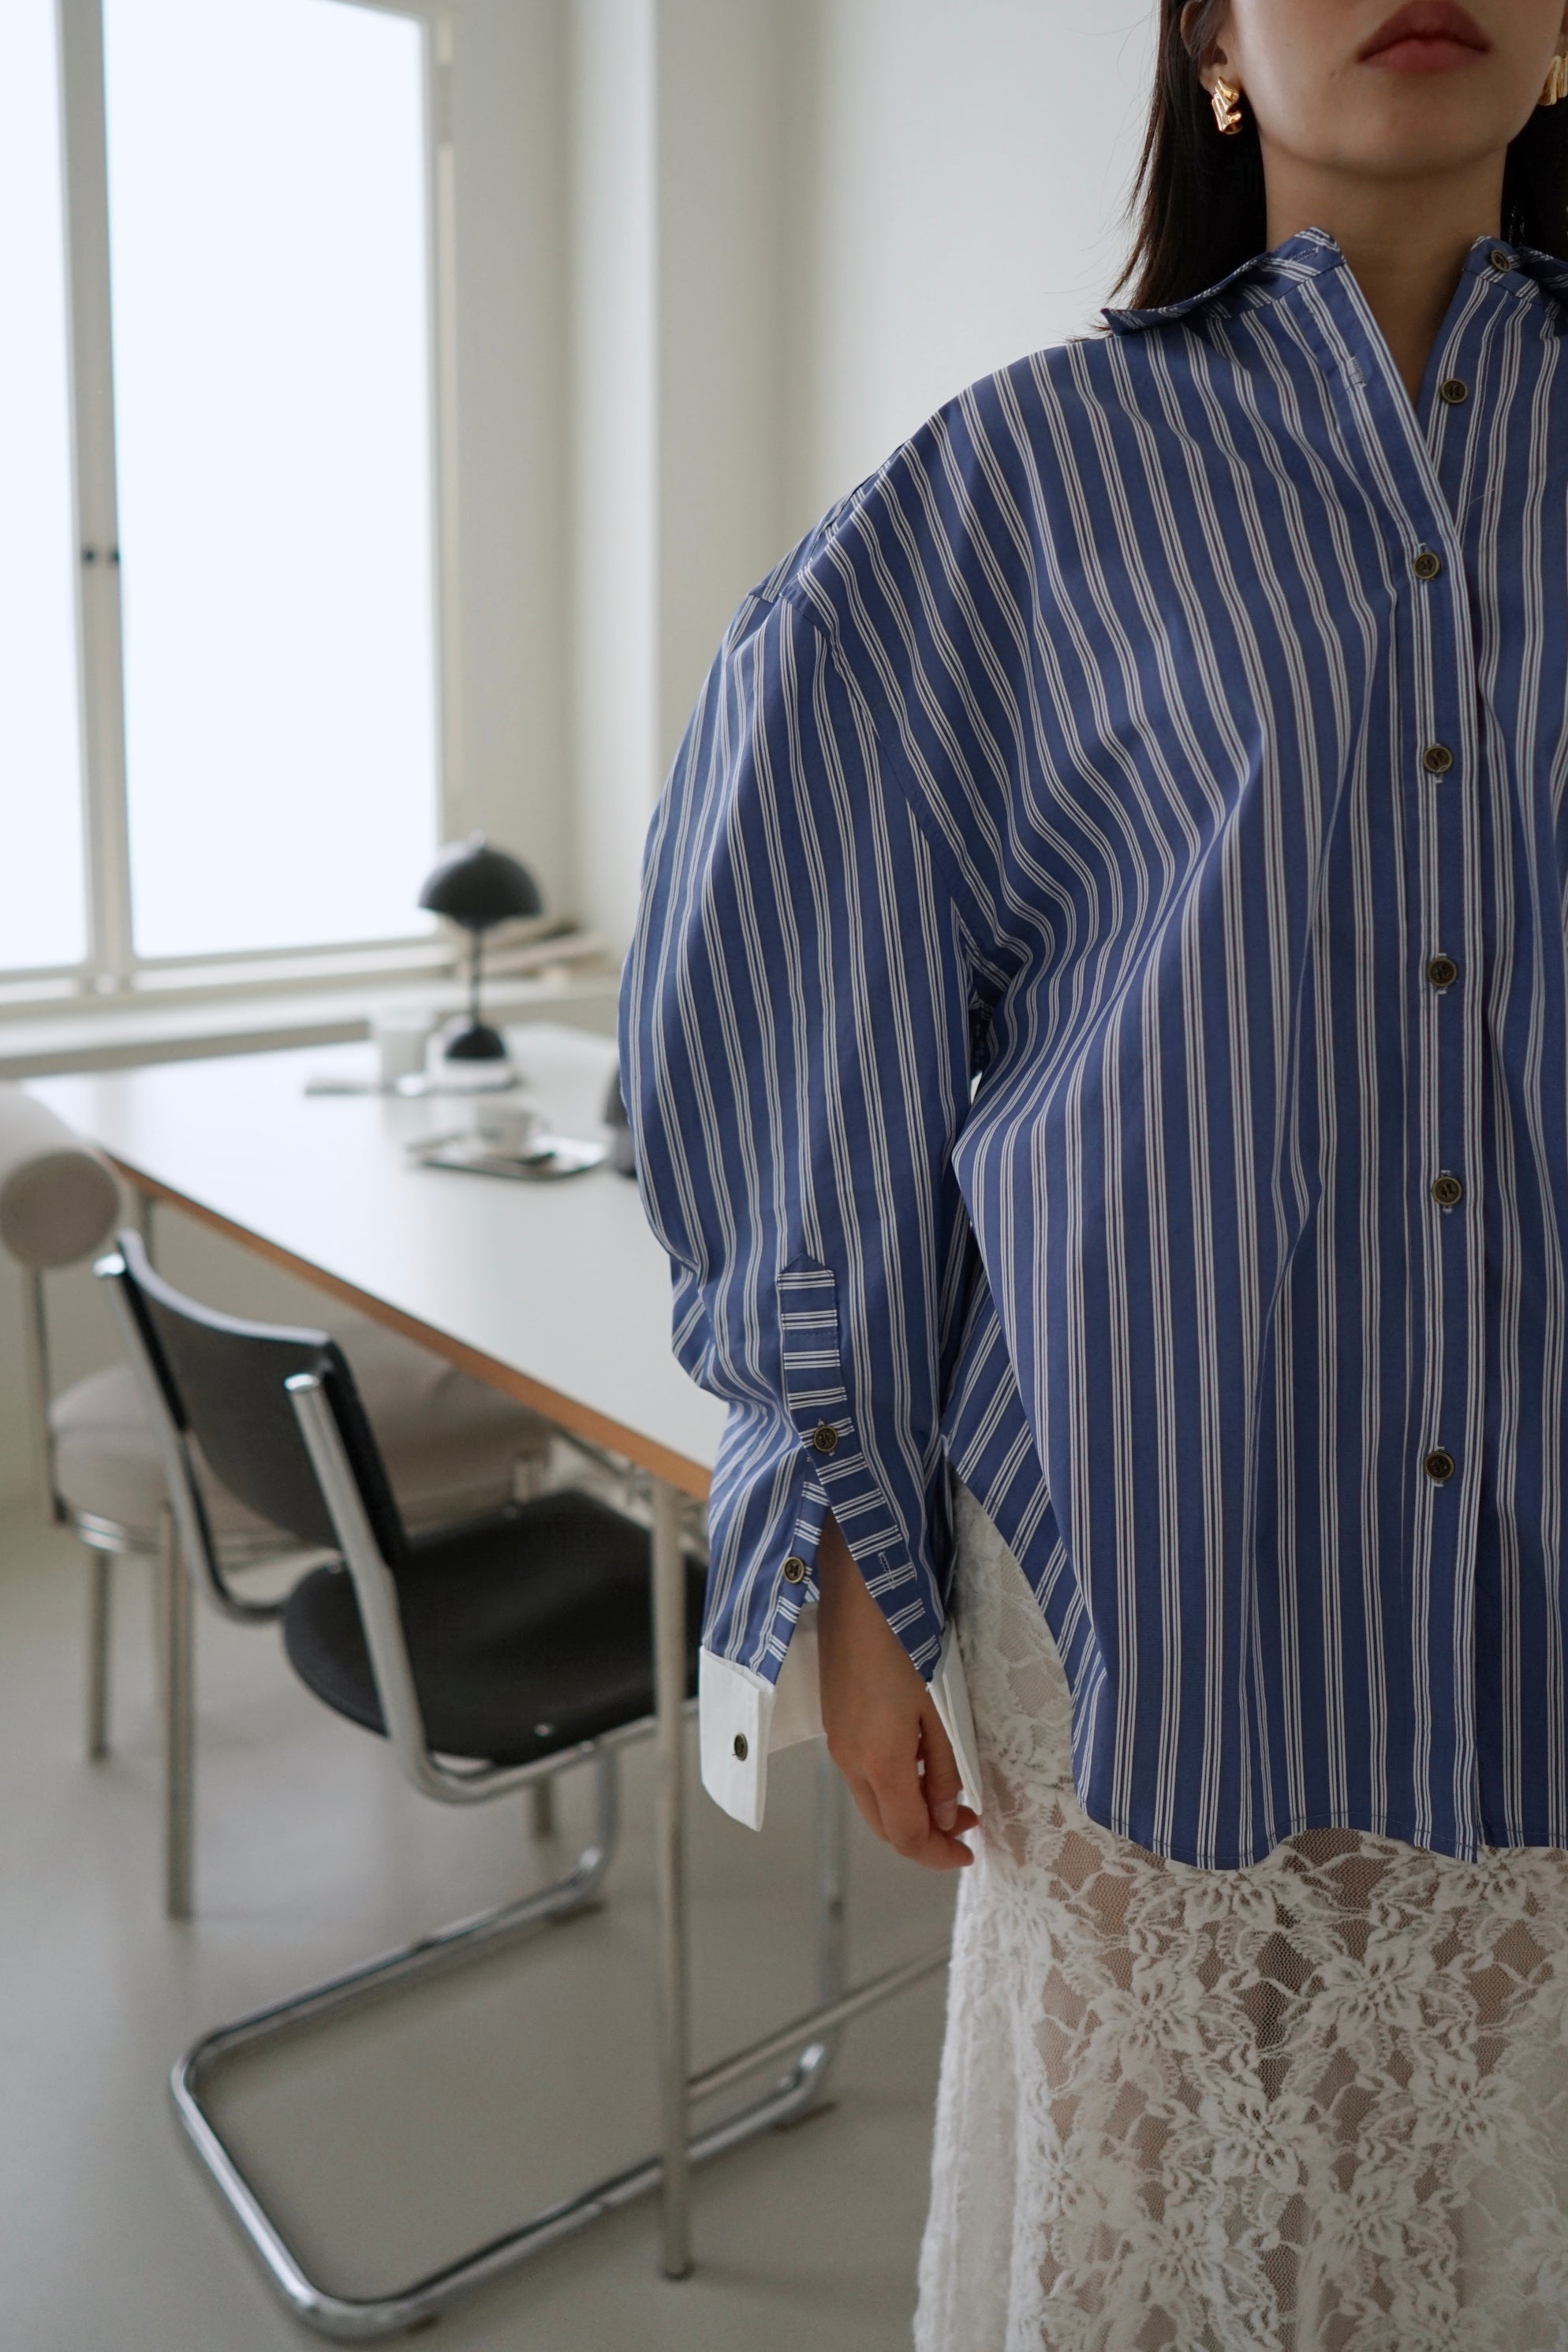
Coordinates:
[1227,104]
[1556,82]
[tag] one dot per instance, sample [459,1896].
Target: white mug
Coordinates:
[400,1040]
[509,1130]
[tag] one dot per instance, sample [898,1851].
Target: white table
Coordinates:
[559,1295]
[556,1293]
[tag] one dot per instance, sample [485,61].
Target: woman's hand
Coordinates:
[883,1729]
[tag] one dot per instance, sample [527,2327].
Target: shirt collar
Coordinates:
[1545,268]
[1306,255]
[1312,251]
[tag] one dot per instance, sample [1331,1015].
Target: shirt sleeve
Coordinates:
[795,1059]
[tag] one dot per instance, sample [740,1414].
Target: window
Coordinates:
[272,431]
[270,776]
[42,904]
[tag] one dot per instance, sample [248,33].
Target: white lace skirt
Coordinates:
[1316,2105]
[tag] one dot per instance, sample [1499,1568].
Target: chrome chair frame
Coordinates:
[813,2040]
[184,1544]
[106,1540]
[809,2043]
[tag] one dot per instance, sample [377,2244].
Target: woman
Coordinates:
[1098,1043]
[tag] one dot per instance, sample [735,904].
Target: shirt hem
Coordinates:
[1467,1852]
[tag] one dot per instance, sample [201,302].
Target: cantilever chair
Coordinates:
[453,1447]
[486,1655]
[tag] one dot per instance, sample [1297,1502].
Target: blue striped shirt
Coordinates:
[1099,1016]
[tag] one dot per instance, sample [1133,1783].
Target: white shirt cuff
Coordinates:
[743,1718]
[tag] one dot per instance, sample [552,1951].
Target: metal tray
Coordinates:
[549,1157]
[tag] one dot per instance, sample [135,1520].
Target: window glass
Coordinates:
[42,898]
[267,225]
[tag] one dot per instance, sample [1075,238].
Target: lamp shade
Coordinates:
[477,885]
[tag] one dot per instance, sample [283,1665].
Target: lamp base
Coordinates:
[464,1040]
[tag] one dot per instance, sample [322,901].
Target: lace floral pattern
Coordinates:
[1318,2106]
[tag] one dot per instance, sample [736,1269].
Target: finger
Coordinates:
[934,1850]
[940,1851]
[942,1779]
[908,1823]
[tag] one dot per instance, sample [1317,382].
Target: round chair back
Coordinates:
[58,1199]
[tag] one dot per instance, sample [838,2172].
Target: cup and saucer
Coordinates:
[510,1139]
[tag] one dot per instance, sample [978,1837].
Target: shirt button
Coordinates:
[742,1749]
[1448,1192]
[825,1437]
[1452,389]
[1442,971]
[1500,260]
[795,1570]
[1439,1465]
[1428,564]
[1437,759]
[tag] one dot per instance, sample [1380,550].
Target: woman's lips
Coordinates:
[1426,36]
[1424,55]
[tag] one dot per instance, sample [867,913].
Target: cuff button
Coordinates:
[795,1570]
[741,1749]
[825,1437]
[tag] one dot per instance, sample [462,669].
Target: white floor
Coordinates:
[434,2119]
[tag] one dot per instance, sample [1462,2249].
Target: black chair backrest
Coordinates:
[223,1382]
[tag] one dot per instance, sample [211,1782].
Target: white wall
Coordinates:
[802,225]
[959,174]
[512,625]
[610,452]
[723,263]
[677,437]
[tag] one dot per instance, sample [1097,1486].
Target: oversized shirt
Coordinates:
[1098,1020]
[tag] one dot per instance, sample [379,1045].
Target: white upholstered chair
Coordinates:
[453,1447]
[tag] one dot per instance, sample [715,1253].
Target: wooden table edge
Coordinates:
[677,1470]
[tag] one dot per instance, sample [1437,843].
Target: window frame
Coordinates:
[112,970]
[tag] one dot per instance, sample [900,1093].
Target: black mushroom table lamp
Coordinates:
[478,886]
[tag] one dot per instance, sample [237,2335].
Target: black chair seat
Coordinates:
[526,1634]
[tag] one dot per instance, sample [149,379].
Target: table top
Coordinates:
[556,1292]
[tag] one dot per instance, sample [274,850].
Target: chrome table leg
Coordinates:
[674,2012]
[832,1878]
[99,1571]
[178,1707]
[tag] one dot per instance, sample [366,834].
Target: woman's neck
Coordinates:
[1405,241]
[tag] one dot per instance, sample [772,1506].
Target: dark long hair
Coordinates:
[1199,196]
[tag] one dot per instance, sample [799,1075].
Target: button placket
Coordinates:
[1441,833]
[1420,461]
